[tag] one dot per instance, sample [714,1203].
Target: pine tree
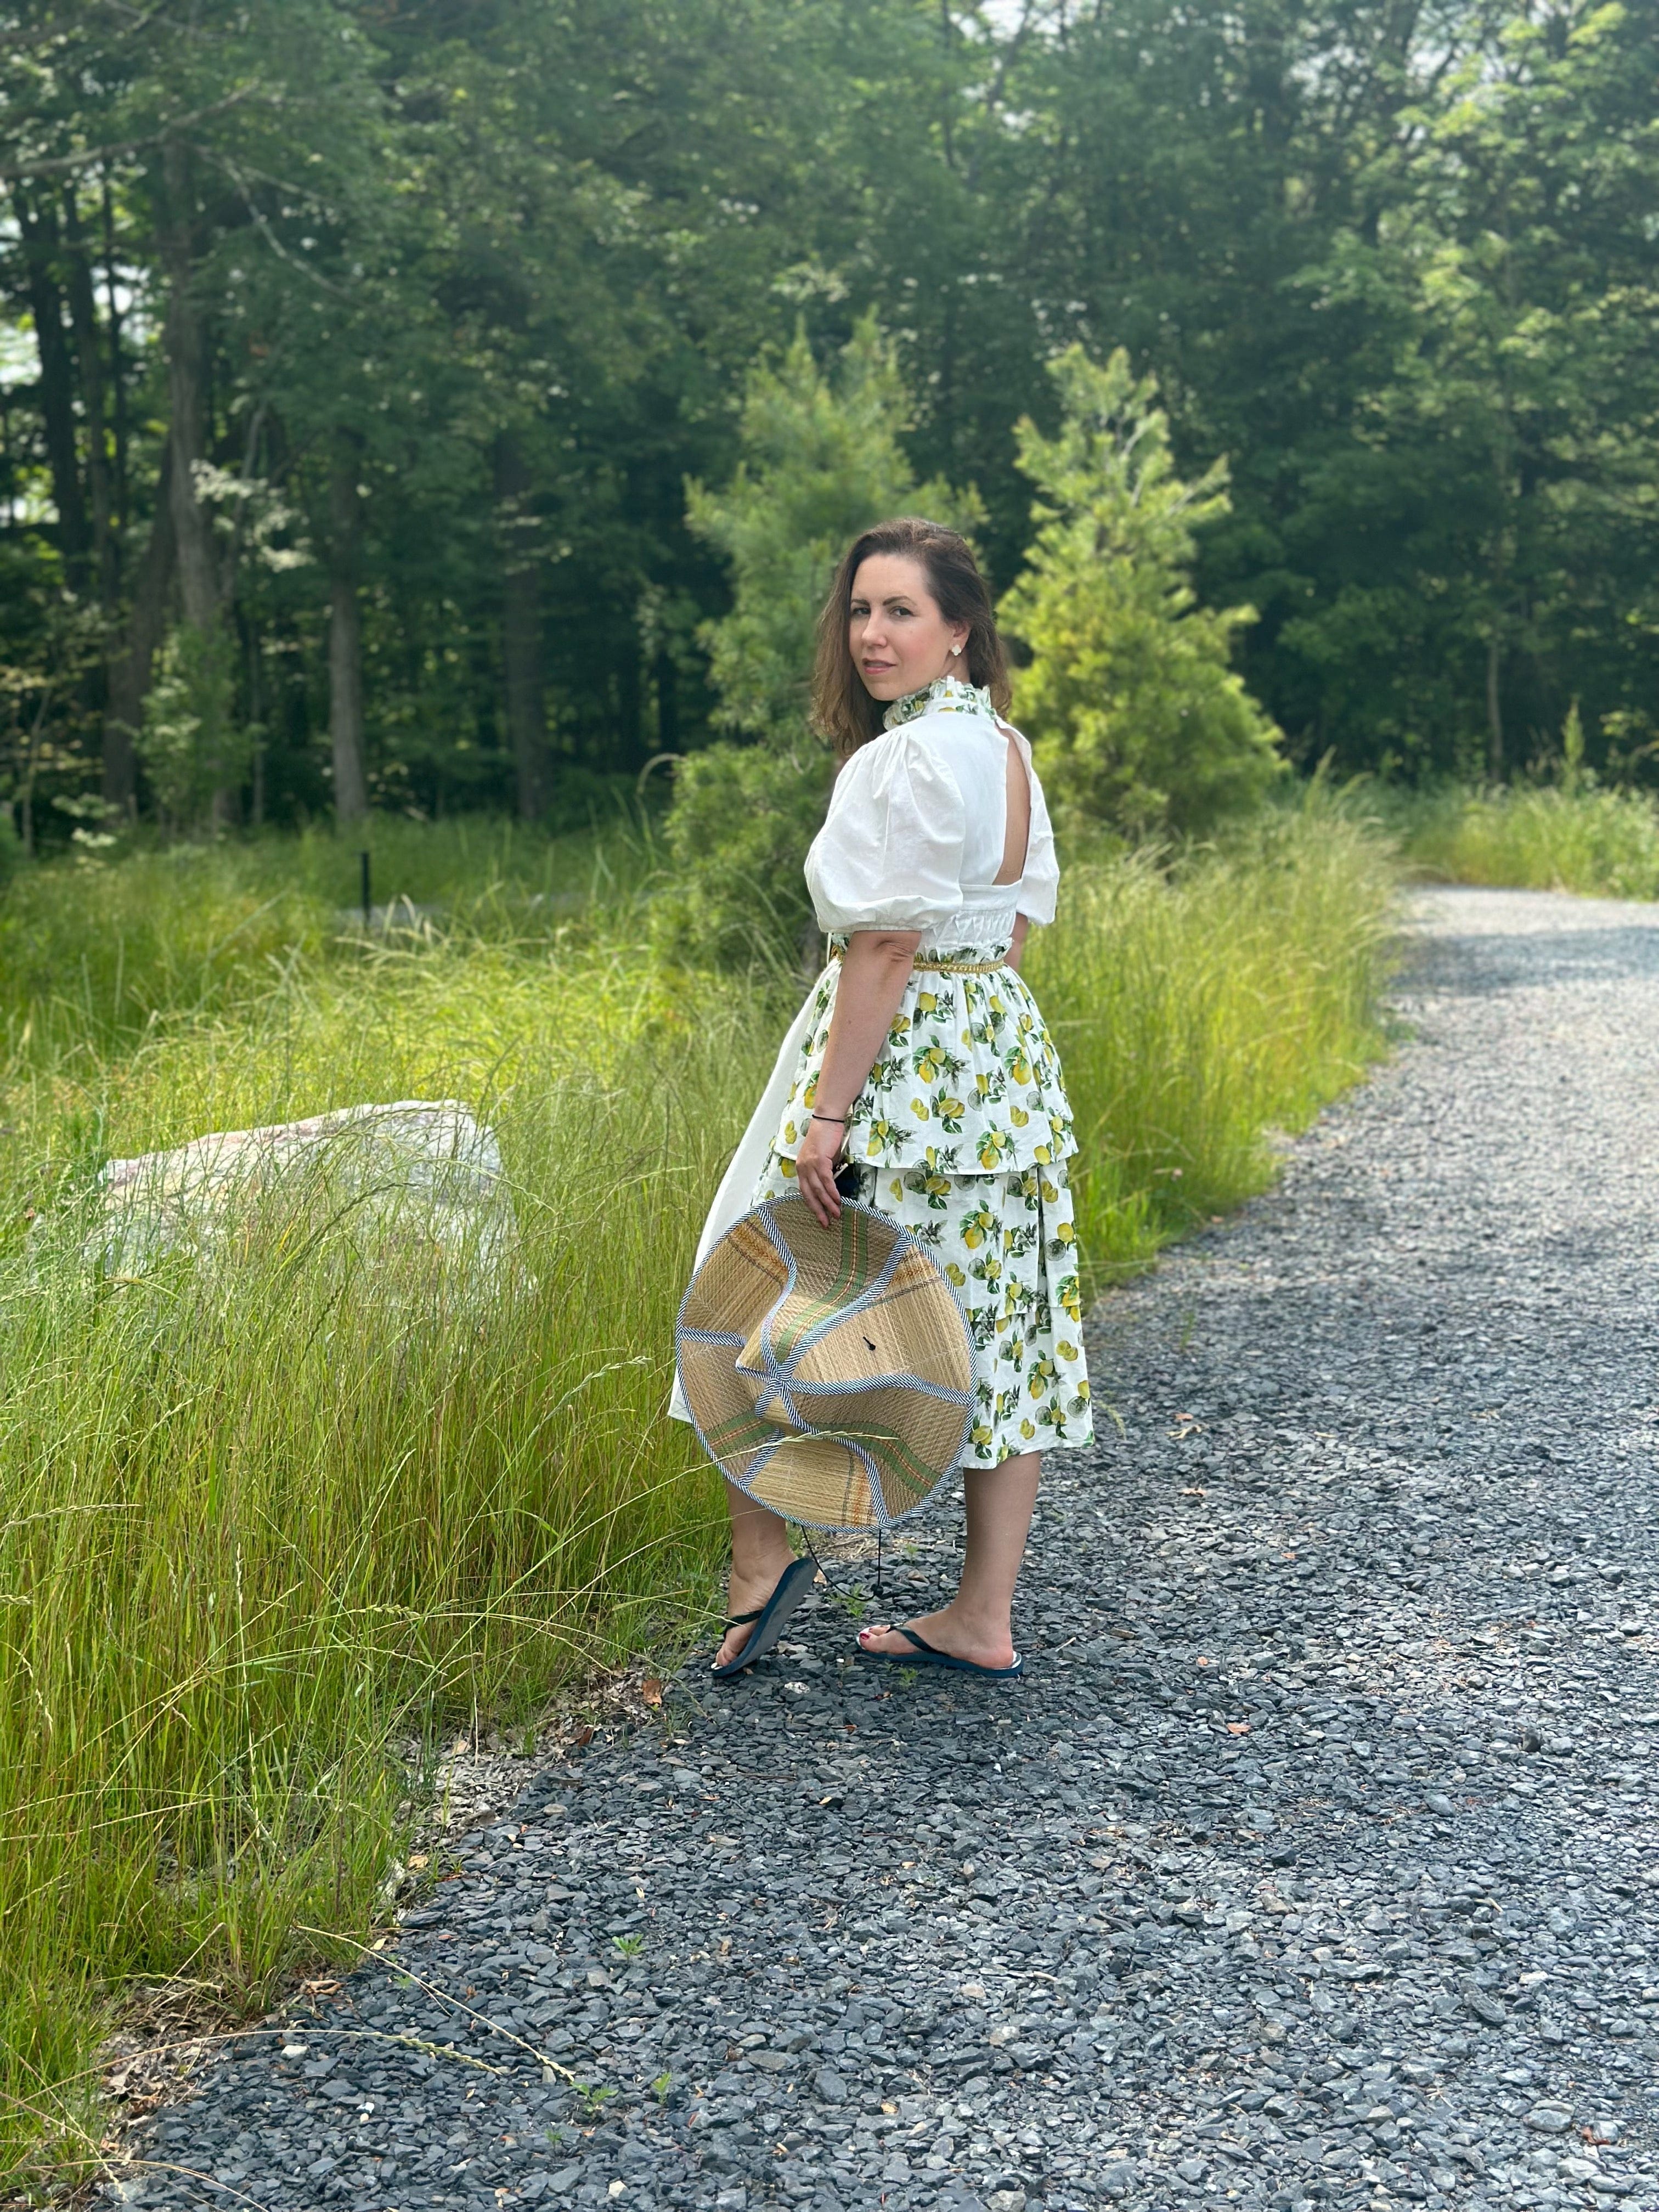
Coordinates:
[1135,715]
[821,460]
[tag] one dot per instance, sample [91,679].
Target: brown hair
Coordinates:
[842,709]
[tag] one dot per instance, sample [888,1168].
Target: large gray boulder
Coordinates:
[420,1177]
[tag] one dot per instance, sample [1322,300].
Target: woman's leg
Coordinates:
[760,1554]
[978,1624]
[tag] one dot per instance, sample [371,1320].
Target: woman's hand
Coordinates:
[815,1170]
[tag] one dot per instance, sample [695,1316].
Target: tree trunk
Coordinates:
[521,630]
[38,228]
[83,320]
[346,631]
[630,702]
[1494,708]
[182,342]
[116,376]
[668,702]
[132,658]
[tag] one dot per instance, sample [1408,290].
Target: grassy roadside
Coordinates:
[259,1519]
[1546,837]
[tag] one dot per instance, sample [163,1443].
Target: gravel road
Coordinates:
[1314,1862]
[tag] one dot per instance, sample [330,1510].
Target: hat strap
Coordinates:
[807,1538]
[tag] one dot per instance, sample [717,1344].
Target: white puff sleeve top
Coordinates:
[914,835]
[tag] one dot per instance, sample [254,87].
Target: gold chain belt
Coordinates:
[943,967]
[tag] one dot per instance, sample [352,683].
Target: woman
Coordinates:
[921,1063]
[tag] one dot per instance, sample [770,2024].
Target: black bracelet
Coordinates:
[840,1119]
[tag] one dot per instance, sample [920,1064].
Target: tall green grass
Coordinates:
[261,1517]
[1529,836]
[1200,1009]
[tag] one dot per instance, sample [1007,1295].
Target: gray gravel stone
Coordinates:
[1312,1861]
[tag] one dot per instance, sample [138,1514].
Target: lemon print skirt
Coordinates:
[1008,1248]
[961,1134]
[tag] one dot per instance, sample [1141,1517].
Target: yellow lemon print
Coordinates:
[1018,1117]
[955,1273]
[926,1002]
[919,1108]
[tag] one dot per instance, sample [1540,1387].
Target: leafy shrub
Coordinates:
[190,744]
[742,820]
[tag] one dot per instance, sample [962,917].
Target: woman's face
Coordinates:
[899,641]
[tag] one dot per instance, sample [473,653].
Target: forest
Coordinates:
[365,366]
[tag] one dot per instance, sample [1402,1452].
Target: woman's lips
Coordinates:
[878,668]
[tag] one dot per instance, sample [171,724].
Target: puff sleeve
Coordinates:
[1041,881]
[889,855]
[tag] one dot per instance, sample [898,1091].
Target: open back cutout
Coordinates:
[1016,818]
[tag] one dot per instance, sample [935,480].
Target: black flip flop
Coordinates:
[925,1656]
[770,1620]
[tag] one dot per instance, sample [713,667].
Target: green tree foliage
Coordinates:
[386,339]
[1135,715]
[1392,261]
[821,459]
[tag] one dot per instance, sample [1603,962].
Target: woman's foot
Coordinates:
[983,1644]
[747,1592]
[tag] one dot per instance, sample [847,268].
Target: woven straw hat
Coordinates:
[829,1371]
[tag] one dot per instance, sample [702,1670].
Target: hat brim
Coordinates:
[852,1340]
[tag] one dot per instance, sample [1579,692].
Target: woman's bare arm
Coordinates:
[1022,923]
[873,974]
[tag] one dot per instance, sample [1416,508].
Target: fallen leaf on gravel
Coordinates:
[651,1689]
[1238,1727]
